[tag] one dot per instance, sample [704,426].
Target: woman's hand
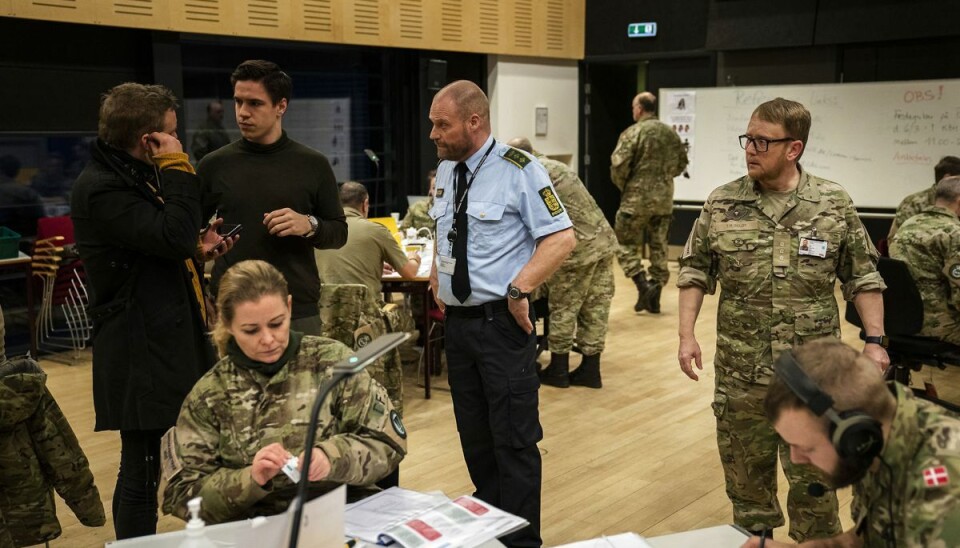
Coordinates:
[267,463]
[319,465]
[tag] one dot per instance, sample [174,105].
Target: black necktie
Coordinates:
[461,278]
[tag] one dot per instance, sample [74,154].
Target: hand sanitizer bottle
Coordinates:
[195,535]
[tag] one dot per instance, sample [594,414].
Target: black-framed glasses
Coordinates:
[759,143]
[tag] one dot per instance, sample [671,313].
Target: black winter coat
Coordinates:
[149,344]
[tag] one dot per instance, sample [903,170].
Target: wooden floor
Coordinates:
[639,455]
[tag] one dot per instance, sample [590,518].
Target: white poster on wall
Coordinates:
[679,112]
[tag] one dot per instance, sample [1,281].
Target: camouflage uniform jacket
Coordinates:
[595,237]
[418,215]
[648,156]
[233,412]
[773,297]
[912,205]
[929,243]
[921,487]
[39,453]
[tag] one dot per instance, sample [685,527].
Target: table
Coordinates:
[418,285]
[721,536]
[24,261]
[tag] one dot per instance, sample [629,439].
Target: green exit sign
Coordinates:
[641,30]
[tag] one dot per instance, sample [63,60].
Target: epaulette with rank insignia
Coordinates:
[516,157]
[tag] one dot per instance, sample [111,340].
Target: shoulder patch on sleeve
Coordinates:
[516,157]
[170,464]
[397,424]
[550,200]
[955,271]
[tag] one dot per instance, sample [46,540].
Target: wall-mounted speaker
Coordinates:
[436,74]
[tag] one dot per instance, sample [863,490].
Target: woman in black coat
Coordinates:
[136,209]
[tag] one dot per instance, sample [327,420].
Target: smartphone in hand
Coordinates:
[229,230]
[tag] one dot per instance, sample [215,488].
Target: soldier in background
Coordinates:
[418,214]
[582,288]
[777,294]
[918,201]
[908,494]
[929,242]
[648,156]
[210,135]
[257,398]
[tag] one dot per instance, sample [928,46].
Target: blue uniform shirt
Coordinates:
[511,204]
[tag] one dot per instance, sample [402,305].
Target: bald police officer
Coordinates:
[776,240]
[648,156]
[501,233]
[904,465]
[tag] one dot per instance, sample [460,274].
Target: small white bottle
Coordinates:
[195,535]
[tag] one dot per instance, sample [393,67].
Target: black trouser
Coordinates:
[135,497]
[494,386]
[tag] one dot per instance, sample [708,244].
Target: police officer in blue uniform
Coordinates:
[501,232]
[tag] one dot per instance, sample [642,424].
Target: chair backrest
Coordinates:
[350,315]
[902,303]
[48,227]
[344,309]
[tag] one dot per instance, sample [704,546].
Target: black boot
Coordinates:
[642,288]
[588,374]
[648,294]
[653,297]
[558,372]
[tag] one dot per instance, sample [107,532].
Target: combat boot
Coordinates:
[653,297]
[642,286]
[588,374]
[558,372]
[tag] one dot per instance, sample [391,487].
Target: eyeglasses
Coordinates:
[759,143]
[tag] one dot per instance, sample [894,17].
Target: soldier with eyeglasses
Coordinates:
[776,240]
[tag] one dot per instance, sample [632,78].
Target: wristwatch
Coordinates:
[314,224]
[514,293]
[882,340]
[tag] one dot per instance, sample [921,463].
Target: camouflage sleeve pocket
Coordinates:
[719,404]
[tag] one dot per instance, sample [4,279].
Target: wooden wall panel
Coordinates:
[69,11]
[533,28]
[153,14]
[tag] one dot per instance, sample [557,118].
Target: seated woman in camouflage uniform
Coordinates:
[248,415]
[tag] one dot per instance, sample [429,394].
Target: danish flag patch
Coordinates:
[936,476]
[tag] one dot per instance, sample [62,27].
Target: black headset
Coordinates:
[855,435]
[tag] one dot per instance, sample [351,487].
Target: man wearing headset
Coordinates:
[831,405]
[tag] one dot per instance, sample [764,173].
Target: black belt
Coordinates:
[478,311]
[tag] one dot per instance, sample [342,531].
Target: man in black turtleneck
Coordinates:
[282,192]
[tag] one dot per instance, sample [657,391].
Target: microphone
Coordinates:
[348,367]
[817,489]
[372,155]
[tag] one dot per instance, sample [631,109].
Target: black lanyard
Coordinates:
[452,234]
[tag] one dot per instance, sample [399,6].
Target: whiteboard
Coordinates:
[880,141]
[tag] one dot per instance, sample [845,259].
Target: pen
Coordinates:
[350,543]
[763,537]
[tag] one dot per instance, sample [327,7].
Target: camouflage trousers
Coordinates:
[749,447]
[579,307]
[633,230]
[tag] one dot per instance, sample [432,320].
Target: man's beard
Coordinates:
[847,472]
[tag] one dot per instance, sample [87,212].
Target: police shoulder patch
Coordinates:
[398,424]
[550,200]
[516,157]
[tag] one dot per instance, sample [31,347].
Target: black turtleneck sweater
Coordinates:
[248,180]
